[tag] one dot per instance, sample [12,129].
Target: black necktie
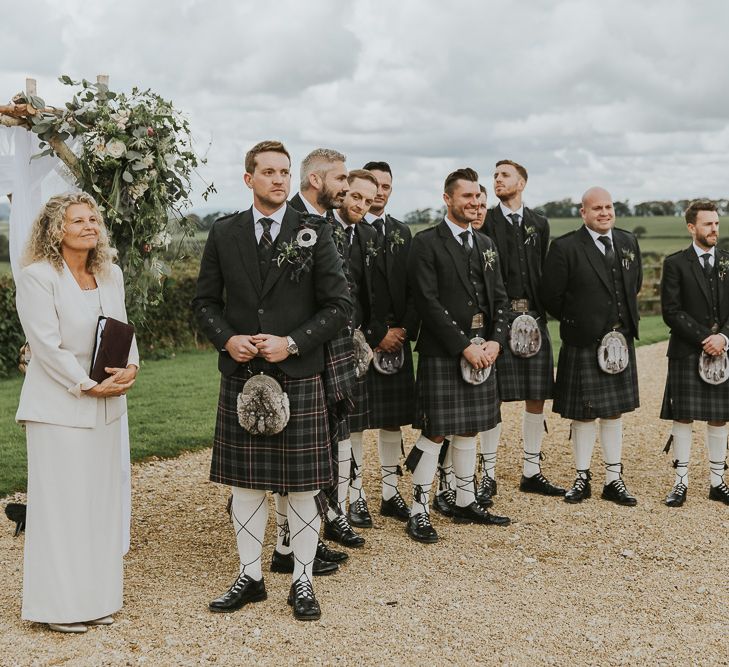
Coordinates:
[265,246]
[516,220]
[706,257]
[350,236]
[466,245]
[379,226]
[609,252]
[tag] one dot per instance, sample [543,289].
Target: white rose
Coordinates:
[116,148]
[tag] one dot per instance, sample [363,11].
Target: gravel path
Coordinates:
[592,584]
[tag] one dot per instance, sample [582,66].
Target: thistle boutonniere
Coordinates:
[628,257]
[530,234]
[489,259]
[395,241]
[339,238]
[723,267]
[298,252]
[371,251]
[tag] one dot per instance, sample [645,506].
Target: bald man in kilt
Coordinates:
[590,283]
[270,293]
[695,305]
[521,237]
[392,324]
[459,295]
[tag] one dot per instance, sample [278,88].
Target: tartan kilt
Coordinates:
[359,416]
[529,379]
[339,385]
[583,391]
[392,397]
[297,459]
[446,404]
[687,396]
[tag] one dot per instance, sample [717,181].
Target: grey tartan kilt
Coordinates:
[583,391]
[297,459]
[359,417]
[445,404]
[687,396]
[392,397]
[529,379]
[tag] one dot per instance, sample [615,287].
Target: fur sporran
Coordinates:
[613,355]
[362,353]
[714,370]
[263,406]
[473,375]
[525,338]
[388,363]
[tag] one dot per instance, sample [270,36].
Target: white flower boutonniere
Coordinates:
[489,259]
[530,235]
[298,252]
[628,257]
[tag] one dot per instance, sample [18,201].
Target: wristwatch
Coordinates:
[292,347]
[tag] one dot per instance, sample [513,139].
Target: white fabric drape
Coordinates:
[31,181]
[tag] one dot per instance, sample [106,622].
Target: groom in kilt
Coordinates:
[695,305]
[590,283]
[392,324]
[521,237]
[270,293]
[459,295]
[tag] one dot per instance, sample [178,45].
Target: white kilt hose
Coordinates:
[529,379]
[583,391]
[447,404]
[297,459]
[392,397]
[687,396]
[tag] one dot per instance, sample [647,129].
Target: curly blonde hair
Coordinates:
[44,244]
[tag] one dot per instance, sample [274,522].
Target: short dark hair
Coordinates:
[464,174]
[263,147]
[519,168]
[692,212]
[378,166]
[483,189]
[364,175]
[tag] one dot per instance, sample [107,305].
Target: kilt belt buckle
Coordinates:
[520,305]
[613,355]
[714,369]
[477,323]
[263,406]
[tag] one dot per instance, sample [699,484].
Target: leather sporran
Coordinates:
[473,375]
[362,353]
[613,355]
[525,338]
[388,363]
[263,406]
[714,370]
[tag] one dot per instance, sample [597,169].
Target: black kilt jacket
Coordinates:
[231,299]
[495,228]
[576,288]
[686,304]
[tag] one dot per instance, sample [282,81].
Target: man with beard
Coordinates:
[323,185]
[392,324]
[270,318]
[357,244]
[590,283]
[461,301]
[521,237]
[695,304]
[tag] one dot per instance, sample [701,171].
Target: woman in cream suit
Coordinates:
[73,552]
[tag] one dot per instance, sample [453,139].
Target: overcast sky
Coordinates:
[633,96]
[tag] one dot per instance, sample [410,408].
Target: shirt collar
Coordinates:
[596,235]
[507,211]
[338,218]
[276,216]
[700,252]
[456,230]
[371,217]
[308,206]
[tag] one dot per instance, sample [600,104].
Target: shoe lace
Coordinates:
[619,485]
[449,496]
[682,476]
[536,459]
[583,477]
[239,583]
[399,501]
[360,506]
[422,520]
[304,589]
[680,488]
[486,486]
[342,523]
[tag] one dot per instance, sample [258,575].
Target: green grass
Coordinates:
[5,268]
[171,410]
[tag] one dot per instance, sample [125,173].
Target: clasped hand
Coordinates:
[243,348]
[117,384]
[393,340]
[714,344]
[483,355]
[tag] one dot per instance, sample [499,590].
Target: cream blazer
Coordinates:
[61,331]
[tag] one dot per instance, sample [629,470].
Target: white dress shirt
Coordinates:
[371,217]
[456,231]
[507,212]
[596,235]
[700,252]
[276,216]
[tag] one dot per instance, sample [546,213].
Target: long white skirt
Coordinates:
[73,569]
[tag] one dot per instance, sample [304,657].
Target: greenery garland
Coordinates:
[135,158]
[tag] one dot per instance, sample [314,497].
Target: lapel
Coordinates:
[455,250]
[595,257]
[389,258]
[481,246]
[693,260]
[499,227]
[619,247]
[718,256]
[288,228]
[532,249]
[245,238]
